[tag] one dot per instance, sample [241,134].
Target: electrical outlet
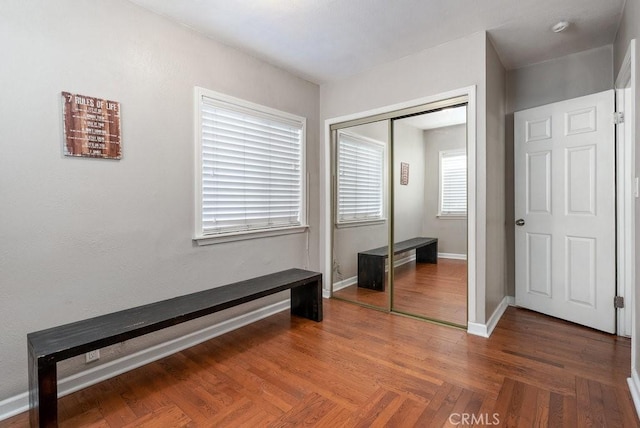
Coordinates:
[92,356]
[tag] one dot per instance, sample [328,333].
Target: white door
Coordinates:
[565,210]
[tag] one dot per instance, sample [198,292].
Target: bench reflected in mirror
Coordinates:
[371,263]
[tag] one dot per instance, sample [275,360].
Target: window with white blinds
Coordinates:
[453,183]
[360,167]
[252,172]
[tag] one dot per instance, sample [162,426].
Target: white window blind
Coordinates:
[360,177]
[453,183]
[251,168]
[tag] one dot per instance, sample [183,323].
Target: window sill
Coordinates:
[360,223]
[452,216]
[251,234]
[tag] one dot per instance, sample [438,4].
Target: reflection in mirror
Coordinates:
[360,213]
[430,222]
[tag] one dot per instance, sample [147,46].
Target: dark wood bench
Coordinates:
[47,347]
[371,262]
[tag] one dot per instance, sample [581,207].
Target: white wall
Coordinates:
[451,232]
[630,29]
[453,65]
[83,237]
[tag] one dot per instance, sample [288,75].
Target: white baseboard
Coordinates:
[14,405]
[20,402]
[477,329]
[485,330]
[634,388]
[452,256]
[401,261]
[345,283]
[404,260]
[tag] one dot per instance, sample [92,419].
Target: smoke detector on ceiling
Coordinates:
[560,26]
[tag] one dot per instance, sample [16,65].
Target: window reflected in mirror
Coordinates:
[360,173]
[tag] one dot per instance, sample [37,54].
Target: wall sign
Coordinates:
[91,127]
[404,173]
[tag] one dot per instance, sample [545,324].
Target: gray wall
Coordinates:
[451,233]
[496,199]
[560,79]
[572,76]
[409,204]
[84,237]
[630,29]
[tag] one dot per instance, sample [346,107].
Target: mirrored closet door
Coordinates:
[399,186]
[429,215]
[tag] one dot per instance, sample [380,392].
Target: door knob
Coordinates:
[519,222]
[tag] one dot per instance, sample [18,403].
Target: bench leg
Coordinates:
[306,300]
[428,253]
[43,393]
[371,272]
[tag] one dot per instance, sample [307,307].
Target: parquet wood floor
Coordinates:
[364,368]
[434,291]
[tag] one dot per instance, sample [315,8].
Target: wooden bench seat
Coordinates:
[371,263]
[47,347]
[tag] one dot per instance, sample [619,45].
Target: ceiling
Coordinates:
[326,40]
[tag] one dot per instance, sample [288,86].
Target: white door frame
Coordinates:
[625,173]
[476,230]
